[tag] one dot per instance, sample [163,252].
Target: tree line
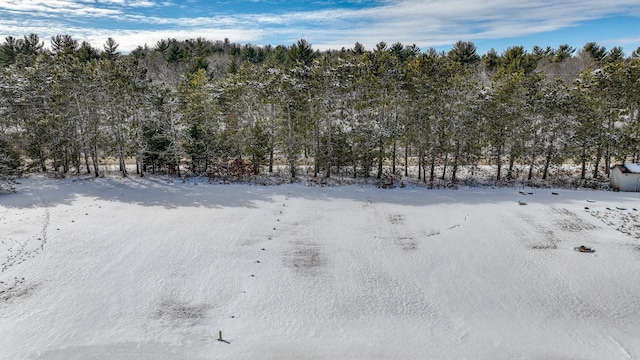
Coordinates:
[198,107]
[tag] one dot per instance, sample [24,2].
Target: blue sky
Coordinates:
[332,24]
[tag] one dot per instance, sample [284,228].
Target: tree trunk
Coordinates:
[499,162]
[597,162]
[177,160]
[43,161]
[532,161]
[123,165]
[316,160]
[406,159]
[547,163]
[78,163]
[393,157]
[456,159]
[85,148]
[367,164]
[432,168]
[272,142]
[607,160]
[583,158]
[96,160]
[444,166]
[292,168]
[329,149]
[424,168]
[291,144]
[86,160]
[380,157]
[420,155]
[354,160]
[512,160]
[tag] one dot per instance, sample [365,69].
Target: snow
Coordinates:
[154,268]
[634,168]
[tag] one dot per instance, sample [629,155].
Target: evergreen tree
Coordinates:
[10,162]
[564,52]
[464,52]
[615,55]
[491,60]
[594,52]
[110,50]
[63,45]
[301,53]
[199,116]
[516,59]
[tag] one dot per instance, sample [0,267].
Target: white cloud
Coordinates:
[424,22]
[129,40]
[439,22]
[632,41]
[54,8]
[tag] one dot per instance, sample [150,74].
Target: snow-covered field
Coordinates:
[153,269]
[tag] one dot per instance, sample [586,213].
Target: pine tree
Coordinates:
[464,52]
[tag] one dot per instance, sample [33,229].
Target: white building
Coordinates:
[625,177]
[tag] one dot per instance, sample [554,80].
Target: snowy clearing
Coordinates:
[153,269]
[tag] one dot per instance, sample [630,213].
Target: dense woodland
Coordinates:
[199,107]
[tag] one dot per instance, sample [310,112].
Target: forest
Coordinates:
[216,108]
